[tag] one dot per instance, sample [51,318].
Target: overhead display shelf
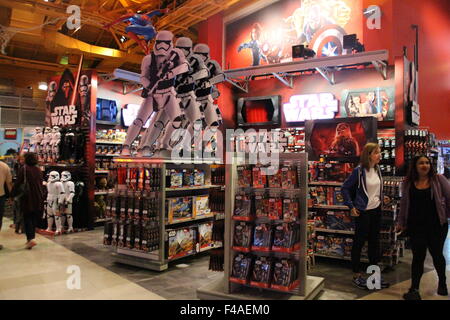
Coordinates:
[326,66]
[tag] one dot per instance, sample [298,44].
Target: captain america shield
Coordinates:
[328,41]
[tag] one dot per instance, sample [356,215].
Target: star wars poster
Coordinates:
[68,105]
[375,102]
[340,139]
[267,36]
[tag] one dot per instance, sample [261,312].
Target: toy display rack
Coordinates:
[223,289]
[157,260]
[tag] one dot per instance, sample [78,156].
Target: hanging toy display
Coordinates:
[139,25]
[158,72]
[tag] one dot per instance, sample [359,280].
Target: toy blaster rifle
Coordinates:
[160,76]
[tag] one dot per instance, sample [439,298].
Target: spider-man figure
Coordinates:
[140,24]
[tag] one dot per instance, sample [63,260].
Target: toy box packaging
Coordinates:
[286,237]
[199,177]
[181,242]
[321,245]
[242,236]
[262,237]
[201,206]
[284,275]
[348,244]
[129,243]
[244,176]
[242,207]
[275,208]
[205,231]
[321,193]
[288,177]
[337,246]
[259,179]
[240,271]
[338,197]
[176,179]
[290,210]
[179,208]
[262,272]
[188,178]
[137,234]
[274,180]
[261,206]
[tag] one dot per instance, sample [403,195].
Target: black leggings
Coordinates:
[367,227]
[433,240]
[30,222]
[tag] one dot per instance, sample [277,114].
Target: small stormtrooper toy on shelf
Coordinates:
[54,143]
[55,200]
[36,140]
[69,189]
[46,146]
[158,72]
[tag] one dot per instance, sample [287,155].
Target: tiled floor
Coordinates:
[32,274]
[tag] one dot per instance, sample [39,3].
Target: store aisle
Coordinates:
[41,273]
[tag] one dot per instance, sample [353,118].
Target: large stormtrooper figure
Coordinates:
[158,72]
[69,190]
[54,143]
[206,92]
[46,144]
[36,140]
[55,200]
[185,87]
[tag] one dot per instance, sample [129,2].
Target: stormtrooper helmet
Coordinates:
[52,87]
[185,44]
[55,129]
[66,176]
[163,43]
[53,176]
[202,50]
[48,130]
[38,130]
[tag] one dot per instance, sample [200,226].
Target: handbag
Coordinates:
[24,188]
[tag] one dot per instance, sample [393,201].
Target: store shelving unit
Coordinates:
[159,260]
[308,286]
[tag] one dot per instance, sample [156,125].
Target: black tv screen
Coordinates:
[106,110]
[258,111]
[339,139]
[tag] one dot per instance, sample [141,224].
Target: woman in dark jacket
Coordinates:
[32,202]
[424,209]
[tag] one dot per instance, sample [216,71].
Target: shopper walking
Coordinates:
[424,209]
[363,194]
[28,187]
[5,185]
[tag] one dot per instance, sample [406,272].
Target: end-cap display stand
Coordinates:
[223,289]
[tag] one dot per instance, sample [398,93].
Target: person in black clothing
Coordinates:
[423,215]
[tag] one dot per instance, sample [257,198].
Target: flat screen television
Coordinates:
[258,111]
[106,110]
[130,112]
[341,139]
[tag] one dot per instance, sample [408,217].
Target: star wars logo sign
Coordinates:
[64,116]
[310,107]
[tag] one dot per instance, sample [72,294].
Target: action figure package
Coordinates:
[290,210]
[137,234]
[337,246]
[179,209]
[199,177]
[244,176]
[181,242]
[285,275]
[320,222]
[242,208]
[261,206]
[348,245]
[108,233]
[129,243]
[274,180]
[321,195]
[322,245]
[188,178]
[288,177]
[339,220]
[338,198]
[201,206]
[241,269]
[286,237]
[130,206]
[242,236]
[122,234]
[176,178]
[259,179]
[123,206]
[262,238]
[133,178]
[275,208]
[262,272]
[115,235]
[205,231]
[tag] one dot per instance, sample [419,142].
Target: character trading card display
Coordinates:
[242,236]
[262,272]
[262,238]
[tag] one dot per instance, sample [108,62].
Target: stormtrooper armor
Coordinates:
[185,87]
[206,92]
[36,140]
[158,72]
[69,190]
[55,199]
[52,88]
[46,146]
[54,143]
